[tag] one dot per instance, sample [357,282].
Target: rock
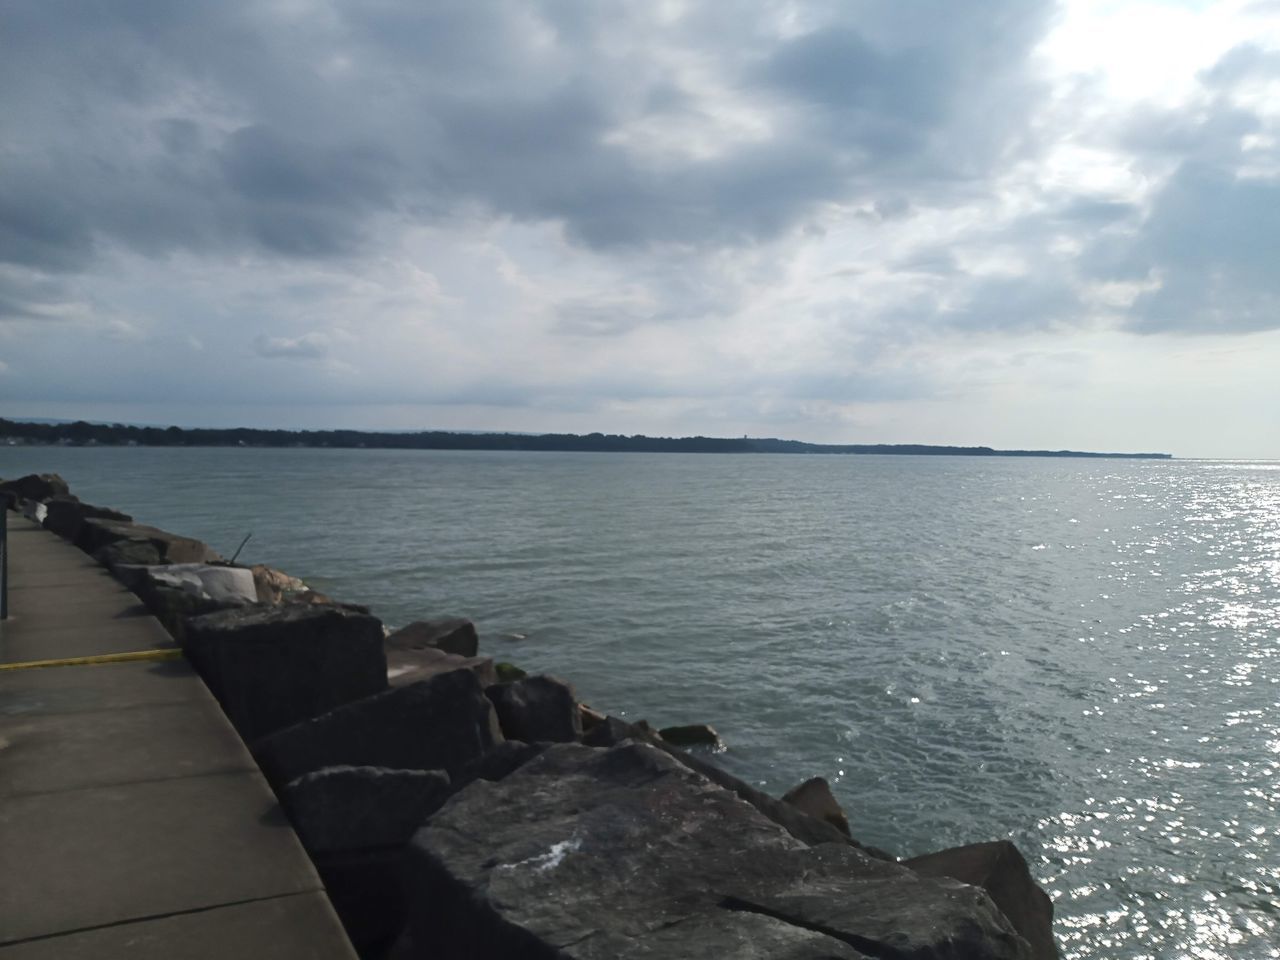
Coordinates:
[999,869]
[692,735]
[590,718]
[176,592]
[36,486]
[207,581]
[355,823]
[800,825]
[64,514]
[814,797]
[507,672]
[98,533]
[537,708]
[129,553]
[341,809]
[451,634]
[410,666]
[275,586]
[501,761]
[611,731]
[624,853]
[439,724]
[272,667]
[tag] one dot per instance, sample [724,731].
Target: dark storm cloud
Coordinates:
[216,127]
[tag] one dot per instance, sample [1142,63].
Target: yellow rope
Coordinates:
[169,653]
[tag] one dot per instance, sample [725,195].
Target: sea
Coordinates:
[1079,655]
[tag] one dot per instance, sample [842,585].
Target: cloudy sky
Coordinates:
[1003,222]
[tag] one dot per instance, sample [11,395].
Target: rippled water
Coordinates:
[1083,656]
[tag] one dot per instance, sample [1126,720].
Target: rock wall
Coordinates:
[460,809]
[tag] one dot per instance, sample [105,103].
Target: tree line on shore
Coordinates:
[82,432]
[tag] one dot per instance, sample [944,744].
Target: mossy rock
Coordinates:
[507,672]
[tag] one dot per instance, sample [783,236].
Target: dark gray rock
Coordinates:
[410,666]
[271,667]
[35,486]
[65,513]
[455,635]
[537,708]
[96,534]
[799,824]
[366,888]
[624,853]
[692,735]
[439,724]
[355,823]
[815,798]
[502,761]
[129,553]
[611,731]
[343,809]
[999,868]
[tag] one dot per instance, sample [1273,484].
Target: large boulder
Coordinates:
[272,667]
[409,666]
[455,635]
[999,868]
[815,798]
[439,724]
[174,593]
[208,581]
[116,541]
[35,486]
[591,854]
[342,809]
[65,513]
[537,708]
[355,823]
[796,822]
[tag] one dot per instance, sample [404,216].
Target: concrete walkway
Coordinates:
[133,821]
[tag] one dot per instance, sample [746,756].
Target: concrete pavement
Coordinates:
[133,821]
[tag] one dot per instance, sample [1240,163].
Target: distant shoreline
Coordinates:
[81,433]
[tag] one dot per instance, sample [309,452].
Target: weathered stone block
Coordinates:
[999,868]
[64,514]
[624,853]
[36,486]
[344,809]
[439,724]
[692,735]
[410,666]
[95,534]
[455,635]
[272,667]
[537,708]
[815,798]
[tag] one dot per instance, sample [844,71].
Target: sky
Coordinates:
[1004,222]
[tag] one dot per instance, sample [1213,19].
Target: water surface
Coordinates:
[1080,655]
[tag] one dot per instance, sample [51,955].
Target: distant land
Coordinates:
[82,433]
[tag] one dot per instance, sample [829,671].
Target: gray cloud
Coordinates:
[309,346]
[638,175]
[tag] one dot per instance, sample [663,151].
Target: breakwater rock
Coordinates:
[457,808]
